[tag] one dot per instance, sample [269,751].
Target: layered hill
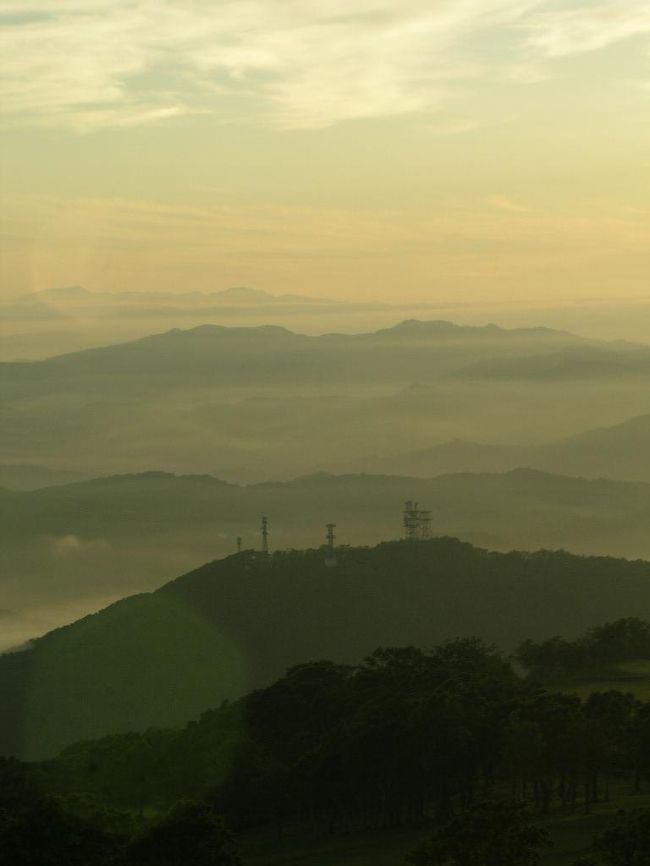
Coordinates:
[70,549]
[254,404]
[620,451]
[237,623]
[70,318]
[573,363]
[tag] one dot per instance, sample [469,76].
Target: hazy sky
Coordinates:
[441,150]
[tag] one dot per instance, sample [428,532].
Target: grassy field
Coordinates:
[571,836]
[631,677]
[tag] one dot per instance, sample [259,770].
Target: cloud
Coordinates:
[453,127]
[293,63]
[72,545]
[589,27]
[507,203]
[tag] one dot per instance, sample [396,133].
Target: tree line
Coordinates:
[610,644]
[407,737]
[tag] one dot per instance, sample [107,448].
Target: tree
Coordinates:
[35,831]
[192,833]
[627,842]
[491,834]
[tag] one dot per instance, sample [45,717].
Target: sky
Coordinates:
[432,150]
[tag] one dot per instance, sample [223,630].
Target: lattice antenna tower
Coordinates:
[330,552]
[411,520]
[424,518]
[265,536]
[239,543]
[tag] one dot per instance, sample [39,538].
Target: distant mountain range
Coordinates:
[70,549]
[588,362]
[621,451]
[28,476]
[75,301]
[58,320]
[236,401]
[232,625]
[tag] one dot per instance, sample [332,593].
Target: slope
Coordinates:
[72,549]
[620,451]
[237,623]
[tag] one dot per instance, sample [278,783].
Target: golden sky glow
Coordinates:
[448,151]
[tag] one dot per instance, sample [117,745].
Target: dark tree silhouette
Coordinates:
[491,834]
[627,842]
[192,833]
[34,831]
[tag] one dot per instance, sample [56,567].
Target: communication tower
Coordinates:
[411,520]
[330,552]
[239,543]
[417,521]
[265,536]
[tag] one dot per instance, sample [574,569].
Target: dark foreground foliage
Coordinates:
[627,842]
[400,739]
[452,738]
[489,834]
[37,830]
[624,640]
[239,623]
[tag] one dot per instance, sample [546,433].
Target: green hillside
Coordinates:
[69,550]
[358,763]
[238,623]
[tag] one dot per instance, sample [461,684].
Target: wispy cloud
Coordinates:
[295,63]
[71,545]
[589,27]
[507,203]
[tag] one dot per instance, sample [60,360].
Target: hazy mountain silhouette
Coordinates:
[211,397]
[574,363]
[70,549]
[621,451]
[74,296]
[58,320]
[29,476]
[237,623]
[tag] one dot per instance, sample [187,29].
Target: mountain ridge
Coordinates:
[409,327]
[211,634]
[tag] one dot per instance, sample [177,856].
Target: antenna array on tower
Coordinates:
[417,521]
[330,553]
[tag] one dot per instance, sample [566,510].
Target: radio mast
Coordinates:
[330,551]
[265,536]
[411,520]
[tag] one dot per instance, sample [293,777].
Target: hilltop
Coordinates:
[71,549]
[238,623]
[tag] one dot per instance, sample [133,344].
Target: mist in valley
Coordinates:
[324,433]
[515,438]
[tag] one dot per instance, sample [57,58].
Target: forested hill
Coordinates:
[159,659]
[78,547]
